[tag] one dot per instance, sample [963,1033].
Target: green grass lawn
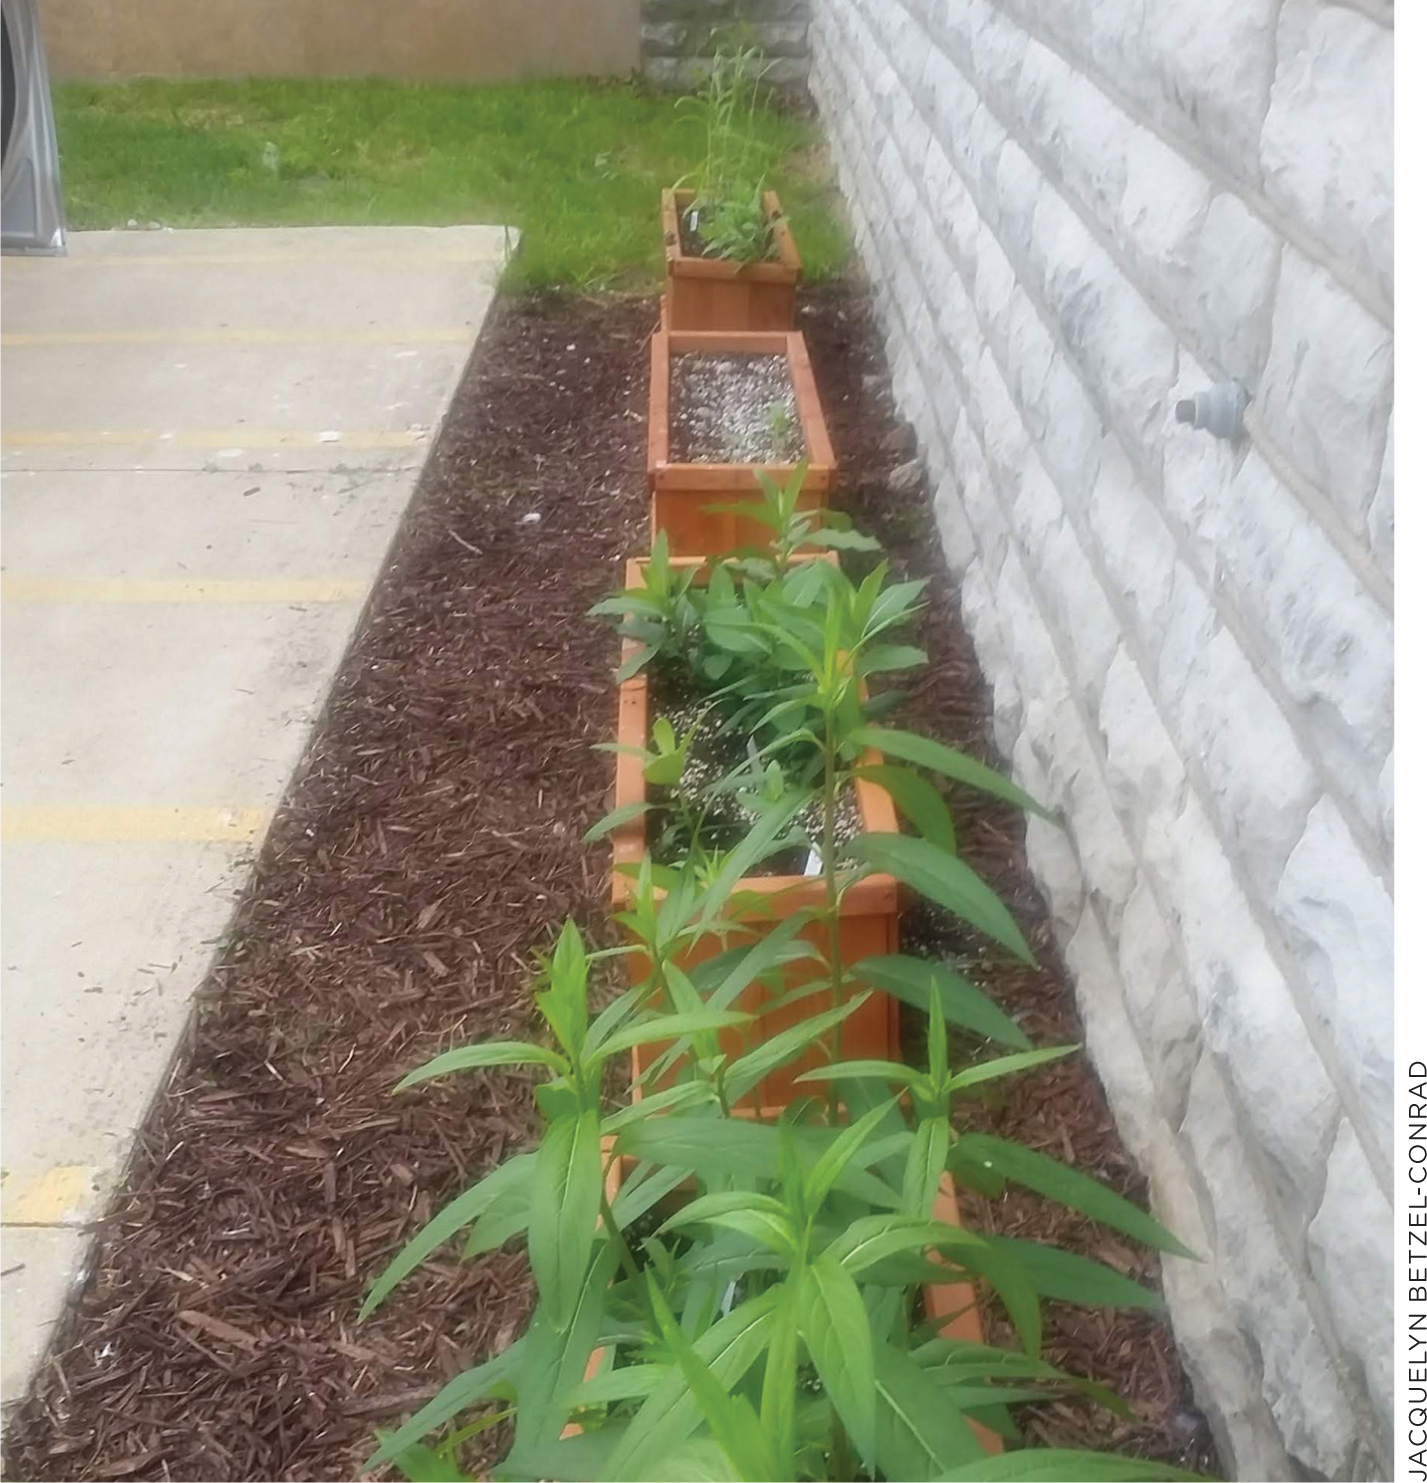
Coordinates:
[577,166]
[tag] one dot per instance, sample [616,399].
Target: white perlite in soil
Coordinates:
[733,409]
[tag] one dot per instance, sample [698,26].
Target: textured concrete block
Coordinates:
[1260,783]
[1189,623]
[1327,140]
[1338,917]
[1073,428]
[1350,1253]
[1234,272]
[1122,346]
[1136,549]
[1213,64]
[1331,643]
[1159,999]
[1143,768]
[1251,1021]
[1079,610]
[1327,388]
[1300,1381]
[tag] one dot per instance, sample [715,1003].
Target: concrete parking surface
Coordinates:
[208,440]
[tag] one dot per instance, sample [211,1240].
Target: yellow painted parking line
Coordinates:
[131,825]
[249,260]
[431,335]
[122,590]
[234,437]
[46,1199]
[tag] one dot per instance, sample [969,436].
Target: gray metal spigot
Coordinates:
[1220,410]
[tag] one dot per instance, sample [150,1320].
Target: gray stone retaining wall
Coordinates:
[680,37]
[1076,212]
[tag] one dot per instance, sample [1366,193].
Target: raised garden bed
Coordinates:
[869,912]
[231,1211]
[711,293]
[694,381]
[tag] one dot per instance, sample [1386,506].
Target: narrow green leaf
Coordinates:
[713,1147]
[1049,1177]
[730,1419]
[919,1433]
[950,763]
[452,1217]
[762,840]
[615,818]
[925,1162]
[1007,1066]
[670,1026]
[493,1053]
[1076,1279]
[750,1069]
[948,881]
[469,1387]
[919,802]
[759,1217]
[671,1415]
[686,1094]
[912,980]
[422,1465]
[632,1382]
[835,1328]
[1067,1465]
[564,1205]
[778,1403]
[864,1071]
[828,1169]
[555,1356]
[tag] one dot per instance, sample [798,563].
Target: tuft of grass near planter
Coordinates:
[576,165]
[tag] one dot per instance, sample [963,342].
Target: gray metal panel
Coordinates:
[31,205]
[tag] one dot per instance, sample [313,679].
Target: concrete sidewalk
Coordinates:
[208,439]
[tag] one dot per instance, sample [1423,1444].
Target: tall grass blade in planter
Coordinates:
[730,261]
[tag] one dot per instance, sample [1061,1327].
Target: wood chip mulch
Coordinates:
[427,849]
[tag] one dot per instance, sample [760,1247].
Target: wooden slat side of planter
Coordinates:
[869,914]
[681,492]
[715,294]
[955,1302]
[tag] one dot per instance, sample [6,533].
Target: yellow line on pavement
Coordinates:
[46,1199]
[123,590]
[233,437]
[434,335]
[130,825]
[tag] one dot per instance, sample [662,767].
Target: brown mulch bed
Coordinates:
[427,849]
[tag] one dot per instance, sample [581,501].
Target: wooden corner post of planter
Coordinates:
[681,493]
[710,293]
[867,917]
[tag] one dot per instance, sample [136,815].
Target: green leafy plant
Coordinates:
[727,214]
[767,1326]
[721,1296]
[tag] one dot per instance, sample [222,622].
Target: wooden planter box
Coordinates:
[868,916]
[709,293]
[681,492]
[956,1301]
